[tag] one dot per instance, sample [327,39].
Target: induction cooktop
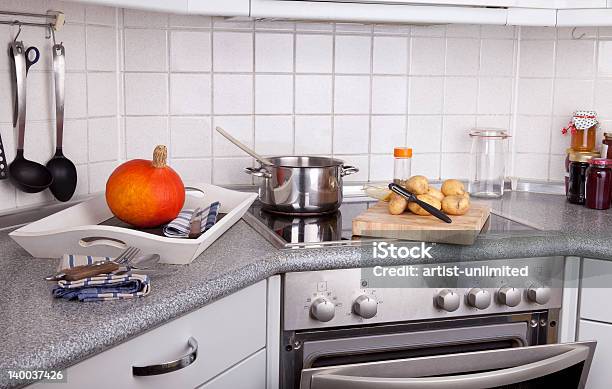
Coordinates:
[335,229]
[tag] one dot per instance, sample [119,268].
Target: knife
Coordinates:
[195,224]
[411,197]
[79,272]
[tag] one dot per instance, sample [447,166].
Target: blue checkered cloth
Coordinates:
[179,227]
[102,287]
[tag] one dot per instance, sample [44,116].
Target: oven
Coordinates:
[410,341]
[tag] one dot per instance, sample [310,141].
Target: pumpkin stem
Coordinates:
[160,155]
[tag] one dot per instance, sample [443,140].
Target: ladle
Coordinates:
[245,148]
[63,170]
[26,175]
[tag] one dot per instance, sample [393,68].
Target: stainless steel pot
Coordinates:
[301,185]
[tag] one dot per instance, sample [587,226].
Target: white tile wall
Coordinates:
[91,128]
[136,79]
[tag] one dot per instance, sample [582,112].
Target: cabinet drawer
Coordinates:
[227,331]
[248,374]
[595,289]
[600,374]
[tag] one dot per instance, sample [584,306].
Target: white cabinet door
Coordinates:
[595,290]
[600,376]
[227,331]
[219,7]
[387,12]
[174,6]
[248,374]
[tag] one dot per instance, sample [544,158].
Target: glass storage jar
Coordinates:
[608,142]
[402,165]
[579,163]
[488,163]
[584,139]
[599,183]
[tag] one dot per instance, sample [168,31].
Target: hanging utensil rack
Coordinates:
[53,19]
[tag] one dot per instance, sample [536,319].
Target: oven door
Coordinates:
[546,366]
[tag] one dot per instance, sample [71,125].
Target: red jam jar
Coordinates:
[608,142]
[599,183]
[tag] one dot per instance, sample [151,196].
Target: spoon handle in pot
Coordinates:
[59,76]
[19,60]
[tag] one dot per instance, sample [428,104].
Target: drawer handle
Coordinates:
[168,367]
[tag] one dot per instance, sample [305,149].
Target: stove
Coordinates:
[296,232]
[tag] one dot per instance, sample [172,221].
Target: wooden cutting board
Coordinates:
[377,222]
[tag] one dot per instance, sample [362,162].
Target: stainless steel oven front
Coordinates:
[341,332]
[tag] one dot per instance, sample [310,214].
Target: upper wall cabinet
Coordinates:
[202,7]
[380,11]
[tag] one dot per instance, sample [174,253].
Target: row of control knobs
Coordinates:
[366,306]
[479,298]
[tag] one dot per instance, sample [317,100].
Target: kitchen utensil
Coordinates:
[63,170]
[245,148]
[301,185]
[3,163]
[377,222]
[411,197]
[29,60]
[136,264]
[26,175]
[195,224]
[126,256]
[487,163]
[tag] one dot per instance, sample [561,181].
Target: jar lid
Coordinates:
[584,119]
[601,162]
[608,135]
[489,133]
[402,152]
[583,156]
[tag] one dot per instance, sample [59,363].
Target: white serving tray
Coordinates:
[76,230]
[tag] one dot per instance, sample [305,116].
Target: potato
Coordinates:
[417,185]
[452,188]
[416,209]
[435,193]
[397,204]
[456,205]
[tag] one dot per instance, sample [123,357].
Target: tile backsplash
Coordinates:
[137,79]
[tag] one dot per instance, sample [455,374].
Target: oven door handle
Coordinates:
[488,379]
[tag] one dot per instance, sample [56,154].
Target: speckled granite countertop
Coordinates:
[39,332]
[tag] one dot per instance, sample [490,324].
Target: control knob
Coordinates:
[539,295]
[479,298]
[509,296]
[448,300]
[365,306]
[322,309]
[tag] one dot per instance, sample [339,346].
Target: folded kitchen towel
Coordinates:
[179,227]
[101,287]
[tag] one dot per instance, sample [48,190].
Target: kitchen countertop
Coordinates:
[39,332]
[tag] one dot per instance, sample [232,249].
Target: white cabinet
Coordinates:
[219,7]
[372,12]
[227,332]
[250,373]
[201,7]
[596,319]
[600,376]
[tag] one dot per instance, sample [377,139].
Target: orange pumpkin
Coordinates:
[146,193]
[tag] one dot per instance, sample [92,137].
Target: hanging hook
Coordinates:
[574,34]
[18,32]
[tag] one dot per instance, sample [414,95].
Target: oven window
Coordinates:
[385,355]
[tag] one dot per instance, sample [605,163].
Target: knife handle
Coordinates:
[79,272]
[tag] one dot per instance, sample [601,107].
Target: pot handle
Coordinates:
[347,170]
[258,172]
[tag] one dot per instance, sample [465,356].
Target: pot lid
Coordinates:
[584,119]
